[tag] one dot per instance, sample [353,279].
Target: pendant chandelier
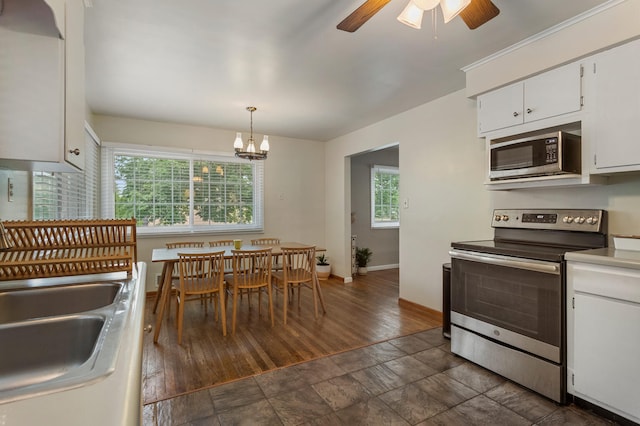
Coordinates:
[250,152]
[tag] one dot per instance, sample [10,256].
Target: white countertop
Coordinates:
[112,400]
[607,256]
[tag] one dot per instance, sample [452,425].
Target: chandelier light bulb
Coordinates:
[264,146]
[238,144]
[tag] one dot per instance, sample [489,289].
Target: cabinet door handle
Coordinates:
[74,151]
[529,110]
[515,113]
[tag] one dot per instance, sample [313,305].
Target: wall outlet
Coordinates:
[10,189]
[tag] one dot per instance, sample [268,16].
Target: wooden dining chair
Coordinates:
[201,274]
[269,242]
[175,274]
[251,273]
[299,269]
[228,262]
[221,243]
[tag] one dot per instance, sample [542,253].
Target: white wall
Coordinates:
[294,184]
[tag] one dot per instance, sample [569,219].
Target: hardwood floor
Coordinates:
[358,314]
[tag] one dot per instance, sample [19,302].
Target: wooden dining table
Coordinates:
[170,256]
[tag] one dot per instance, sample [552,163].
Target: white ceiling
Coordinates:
[203,61]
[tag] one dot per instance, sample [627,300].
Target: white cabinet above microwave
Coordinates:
[546,95]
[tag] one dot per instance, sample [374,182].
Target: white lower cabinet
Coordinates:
[603,338]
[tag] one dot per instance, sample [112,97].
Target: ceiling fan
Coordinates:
[473,12]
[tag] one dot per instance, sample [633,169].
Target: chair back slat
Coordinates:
[251,268]
[202,272]
[266,242]
[299,263]
[185,244]
[221,243]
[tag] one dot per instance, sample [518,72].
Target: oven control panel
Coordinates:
[559,219]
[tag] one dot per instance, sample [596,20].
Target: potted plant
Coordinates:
[323,267]
[363,256]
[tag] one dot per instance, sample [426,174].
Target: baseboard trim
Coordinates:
[431,313]
[383,267]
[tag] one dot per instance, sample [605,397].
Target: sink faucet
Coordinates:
[4,240]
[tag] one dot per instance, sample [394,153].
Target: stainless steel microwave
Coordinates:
[552,153]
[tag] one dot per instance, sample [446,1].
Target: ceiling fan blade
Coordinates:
[361,15]
[479,12]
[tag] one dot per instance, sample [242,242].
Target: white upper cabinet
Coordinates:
[546,95]
[616,143]
[500,108]
[42,96]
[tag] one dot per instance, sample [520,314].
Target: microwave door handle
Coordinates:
[529,265]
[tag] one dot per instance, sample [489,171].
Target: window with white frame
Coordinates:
[385,197]
[177,191]
[69,195]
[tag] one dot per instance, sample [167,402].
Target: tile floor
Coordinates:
[412,380]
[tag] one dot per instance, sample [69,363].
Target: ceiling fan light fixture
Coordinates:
[451,8]
[411,16]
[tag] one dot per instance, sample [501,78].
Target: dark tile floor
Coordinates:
[412,380]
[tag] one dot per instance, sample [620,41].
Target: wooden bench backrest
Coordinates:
[54,248]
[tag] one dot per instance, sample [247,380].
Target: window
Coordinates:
[178,191]
[62,195]
[385,197]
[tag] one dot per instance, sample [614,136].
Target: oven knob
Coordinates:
[592,220]
[580,219]
[567,219]
[497,218]
[505,218]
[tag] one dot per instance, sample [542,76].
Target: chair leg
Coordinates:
[180,318]
[285,292]
[315,297]
[270,296]
[235,309]
[222,310]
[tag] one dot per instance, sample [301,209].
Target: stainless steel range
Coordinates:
[508,294]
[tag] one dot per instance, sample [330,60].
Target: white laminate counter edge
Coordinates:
[115,400]
[607,256]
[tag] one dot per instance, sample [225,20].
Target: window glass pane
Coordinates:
[385,196]
[198,193]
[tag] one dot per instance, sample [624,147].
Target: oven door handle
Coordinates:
[494,259]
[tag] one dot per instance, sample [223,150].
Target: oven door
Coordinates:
[512,300]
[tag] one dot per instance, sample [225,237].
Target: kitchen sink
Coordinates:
[30,303]
[60,333]
[39,351]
